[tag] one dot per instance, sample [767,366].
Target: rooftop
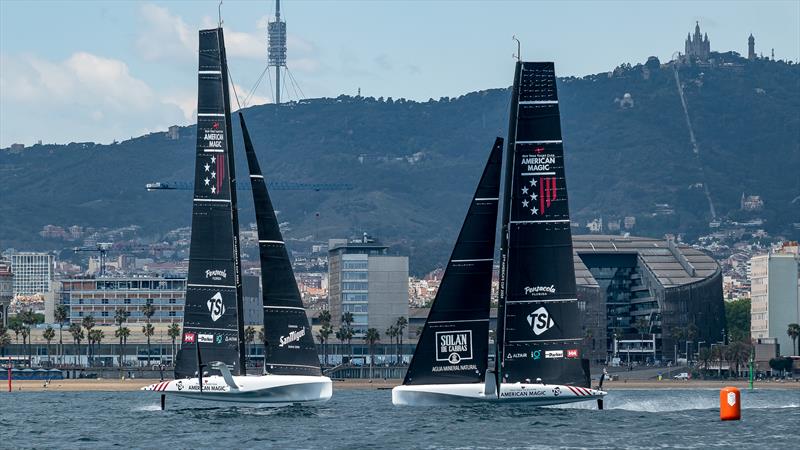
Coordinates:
[671,266]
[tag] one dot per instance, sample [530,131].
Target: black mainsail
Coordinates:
[212,317]
[454,344]
[289,342]
[538,323]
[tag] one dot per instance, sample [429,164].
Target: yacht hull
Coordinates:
[534,394]
[271,389]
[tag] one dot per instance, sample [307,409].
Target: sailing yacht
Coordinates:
[213,326]
[538,357]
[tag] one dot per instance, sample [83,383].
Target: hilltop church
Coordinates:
[698,46]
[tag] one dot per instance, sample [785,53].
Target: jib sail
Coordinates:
[538,322]
[212,316]
[453,346]
[289,341]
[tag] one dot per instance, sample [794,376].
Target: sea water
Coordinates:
[367,419]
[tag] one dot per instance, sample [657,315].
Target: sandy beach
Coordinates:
[135,384]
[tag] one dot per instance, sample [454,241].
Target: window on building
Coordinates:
[105,301]
[127,301]
[104,314]
[172,313]
[354,276]
[354,286]
[172,301]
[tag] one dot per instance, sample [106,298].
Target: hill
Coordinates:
[414,164]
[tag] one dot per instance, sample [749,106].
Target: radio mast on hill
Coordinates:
[276,48]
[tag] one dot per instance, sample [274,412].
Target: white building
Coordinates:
[33,273]
[775,297]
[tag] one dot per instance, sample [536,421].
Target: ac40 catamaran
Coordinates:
[538,356]
[213,328]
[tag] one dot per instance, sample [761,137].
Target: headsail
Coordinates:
[290,348]
[538,322]
[212,316]
[454,345]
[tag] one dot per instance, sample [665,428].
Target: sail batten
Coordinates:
[454,344]
[289,341]
[538,317]
[212,322]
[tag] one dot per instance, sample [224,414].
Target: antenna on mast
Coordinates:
[519,53]
[219,13]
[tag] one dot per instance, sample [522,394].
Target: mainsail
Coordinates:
[212,316]
[538,323]
[454,344]
[289,341]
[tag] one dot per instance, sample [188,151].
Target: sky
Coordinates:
[109,70]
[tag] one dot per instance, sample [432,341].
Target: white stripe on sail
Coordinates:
[284,307]
[221,200]
[538,142]
[210,114]
[485,199]
[458,321]
[257,176]
[539,102]
[264,241]
[541,221]
[552,300]
[213,150]
[209,72]
[221,286]
[472,260]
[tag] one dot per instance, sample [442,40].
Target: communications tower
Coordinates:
[276,48]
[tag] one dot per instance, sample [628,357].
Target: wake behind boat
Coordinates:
[538,332]
[213,328]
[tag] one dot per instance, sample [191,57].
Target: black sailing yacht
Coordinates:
[213,327]
[538,325]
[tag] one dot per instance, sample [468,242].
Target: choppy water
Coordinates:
[367,419]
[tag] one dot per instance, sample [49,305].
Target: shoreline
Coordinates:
[127,385]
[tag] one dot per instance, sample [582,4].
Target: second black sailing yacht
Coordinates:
[213,326]
[538,357]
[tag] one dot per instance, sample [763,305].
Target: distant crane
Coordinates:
[102,248]
[273,185]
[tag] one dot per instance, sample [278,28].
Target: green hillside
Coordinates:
[414,165]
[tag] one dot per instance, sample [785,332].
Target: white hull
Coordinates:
[535,394]
[279,389]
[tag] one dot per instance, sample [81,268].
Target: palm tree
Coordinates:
[26,332]
[5,339]
[28,319]
[94,337]
[705,356]
[391,333]
[371,337]
[49,334]
[324,317]
[61,315]
[249,337]
[88,322]
[16,326]
[122,333]
[148,311]
[794,332]
[401,325]
[77,336]
[173,332]
[323,334]
[120,316]
[149,330]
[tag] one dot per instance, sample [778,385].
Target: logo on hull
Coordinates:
[540,321]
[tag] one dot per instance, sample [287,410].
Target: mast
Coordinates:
[289,340]
[538,319]
[212,322]
[454,344]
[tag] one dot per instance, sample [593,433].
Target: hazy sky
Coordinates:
[103,70]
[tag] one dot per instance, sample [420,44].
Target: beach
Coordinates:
[118,385]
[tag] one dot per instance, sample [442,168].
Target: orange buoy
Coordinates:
[730,405]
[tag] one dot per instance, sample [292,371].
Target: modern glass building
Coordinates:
[368,283]
[101,297]
[646,299]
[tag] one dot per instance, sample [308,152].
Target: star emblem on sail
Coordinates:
[214,173]
[547,194]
